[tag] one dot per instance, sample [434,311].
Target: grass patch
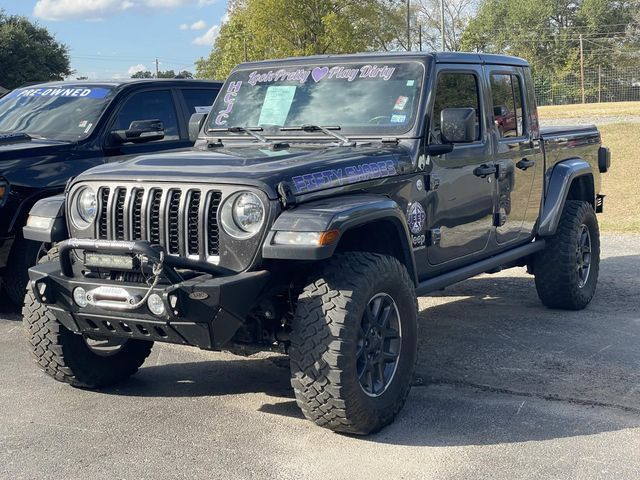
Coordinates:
[621,184]
[590,110]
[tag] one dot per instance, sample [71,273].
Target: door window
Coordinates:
[507,105]
[151,105]
[455,90]
[199,100]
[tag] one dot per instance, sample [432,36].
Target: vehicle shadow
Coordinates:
[8,311]
[494,366]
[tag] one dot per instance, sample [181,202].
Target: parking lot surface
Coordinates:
[504,389]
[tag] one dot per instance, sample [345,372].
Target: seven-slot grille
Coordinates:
[184,221]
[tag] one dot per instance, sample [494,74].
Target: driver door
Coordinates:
[462,195]
[148,105]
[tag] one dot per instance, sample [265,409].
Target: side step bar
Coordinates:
[455,276]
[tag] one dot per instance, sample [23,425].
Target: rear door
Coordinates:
[197,100]
[518,156]
[460,201]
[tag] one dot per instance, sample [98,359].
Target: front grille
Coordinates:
[184,221]
[102,219]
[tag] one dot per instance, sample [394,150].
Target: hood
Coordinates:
[17,152]
[305,169]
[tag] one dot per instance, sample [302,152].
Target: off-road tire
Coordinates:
[556,276]
[24,255]
[324,341]
[66,357]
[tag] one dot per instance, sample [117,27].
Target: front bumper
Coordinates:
[205,311]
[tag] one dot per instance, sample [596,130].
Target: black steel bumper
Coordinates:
[205,311]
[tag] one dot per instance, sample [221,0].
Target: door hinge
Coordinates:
[287,197]
[435,235]
[500,218]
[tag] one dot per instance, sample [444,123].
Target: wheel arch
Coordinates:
[570,179]
[365,222]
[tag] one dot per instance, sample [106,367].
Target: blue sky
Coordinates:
[114,38]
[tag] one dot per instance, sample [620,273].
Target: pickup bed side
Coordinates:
[572,171]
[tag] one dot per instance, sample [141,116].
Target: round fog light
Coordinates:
[80,296]
[155,304]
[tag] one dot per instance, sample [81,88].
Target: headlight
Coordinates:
[84,208]
[242,215]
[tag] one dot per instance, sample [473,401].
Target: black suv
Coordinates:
[323,196]
[51,132]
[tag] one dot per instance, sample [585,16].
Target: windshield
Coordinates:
[57,113]
[361,99]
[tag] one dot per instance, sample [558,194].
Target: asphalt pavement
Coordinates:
[504,389]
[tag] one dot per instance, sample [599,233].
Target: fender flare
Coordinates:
[54,230]
[560,180]
[338,213]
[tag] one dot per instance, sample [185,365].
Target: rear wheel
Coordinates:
[81,361]
[353,344]
[566,271]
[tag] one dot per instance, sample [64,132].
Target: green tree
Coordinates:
[261,29]
[163,74]
[29,53]
[142,74]
[547,32]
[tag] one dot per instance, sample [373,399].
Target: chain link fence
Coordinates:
[600,85]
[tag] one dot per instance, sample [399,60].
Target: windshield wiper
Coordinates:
[344,141]
[248,130]
[14,137]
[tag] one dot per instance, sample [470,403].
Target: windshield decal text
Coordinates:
[281,75]
[65,92]
[229,101]
[320,73]
[338,176]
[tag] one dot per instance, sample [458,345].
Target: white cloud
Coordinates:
[83,9]
[208,37]
[165,3]
[183,26]
[199,25]
[204,3]
[99,9]
[136,69]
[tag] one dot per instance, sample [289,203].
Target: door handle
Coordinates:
[525,163]
[483,171]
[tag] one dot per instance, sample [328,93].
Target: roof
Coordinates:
[130,81]
[439,57]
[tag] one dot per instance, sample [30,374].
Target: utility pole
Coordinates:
[420,37]
[244,39]
[599,83]
[157,69]
[408,25]
[581,68]
[444,47]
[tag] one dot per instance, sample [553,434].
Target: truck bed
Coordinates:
[567,141]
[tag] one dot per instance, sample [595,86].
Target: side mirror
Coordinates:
[195,125]
[139,131]
[458,125]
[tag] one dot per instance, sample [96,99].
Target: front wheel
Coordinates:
[24,255]
[78,360]
[353,343]
[566,271]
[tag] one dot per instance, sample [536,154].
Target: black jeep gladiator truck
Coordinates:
[51,132]
[323,195]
